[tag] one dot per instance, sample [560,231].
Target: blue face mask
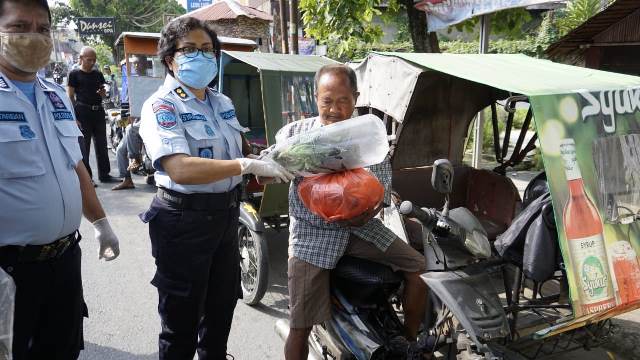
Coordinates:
[196,72]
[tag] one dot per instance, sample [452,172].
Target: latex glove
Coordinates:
[109,245]
[264,169]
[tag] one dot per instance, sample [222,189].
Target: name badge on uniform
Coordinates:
[12,116]
[227,115]
[187,117]
[26,132]
[55,100]
[62,115]
[206,152]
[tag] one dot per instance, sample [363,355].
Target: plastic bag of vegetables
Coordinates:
[345,145]
[342,195]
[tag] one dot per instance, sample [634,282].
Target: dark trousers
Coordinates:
[94,127]
[197,276]
[49,307]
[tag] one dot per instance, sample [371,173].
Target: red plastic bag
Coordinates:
[342,195]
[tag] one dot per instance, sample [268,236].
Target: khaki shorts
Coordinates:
[309,296]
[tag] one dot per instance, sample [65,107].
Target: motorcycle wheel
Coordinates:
[115,137]
[254,264]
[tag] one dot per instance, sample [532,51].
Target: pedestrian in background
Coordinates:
[85,88]
[44,190]
[195,142]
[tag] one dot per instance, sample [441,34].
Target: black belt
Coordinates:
[92,107]
[200,201]
[33,253]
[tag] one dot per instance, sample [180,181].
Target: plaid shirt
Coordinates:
[316,241]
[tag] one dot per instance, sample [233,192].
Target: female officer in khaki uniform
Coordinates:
[195,142]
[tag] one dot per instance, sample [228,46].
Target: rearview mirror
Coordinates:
[442,176]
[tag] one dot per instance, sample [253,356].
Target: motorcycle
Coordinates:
[465,316]
[118,120]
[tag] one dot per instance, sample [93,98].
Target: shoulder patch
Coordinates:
[229,114]
[3,83]
[56,101]
[166,119]
[26,132]
[162,105]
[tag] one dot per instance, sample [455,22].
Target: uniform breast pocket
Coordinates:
[203,141]
[68,133]
[237,129]
[21,154]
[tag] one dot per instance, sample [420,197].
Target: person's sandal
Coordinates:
[124,185]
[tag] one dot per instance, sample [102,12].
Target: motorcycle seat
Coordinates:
[360,279]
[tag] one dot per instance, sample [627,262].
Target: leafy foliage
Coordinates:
[62,14]
[526,46]
[576,13]
[508,23]
[103,54]
[345,24]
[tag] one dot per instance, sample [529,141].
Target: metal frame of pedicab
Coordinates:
[268,91]
[432,99]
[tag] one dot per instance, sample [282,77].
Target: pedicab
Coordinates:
[268,91]
[563,259]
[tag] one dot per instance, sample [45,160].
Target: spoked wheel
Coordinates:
[115,137]
[254,264]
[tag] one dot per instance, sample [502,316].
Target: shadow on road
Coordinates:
[97,352]
[626,339]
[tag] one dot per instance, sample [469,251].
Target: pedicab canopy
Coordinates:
[269,91]
[588,124]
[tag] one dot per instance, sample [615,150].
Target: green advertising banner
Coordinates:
[590,143]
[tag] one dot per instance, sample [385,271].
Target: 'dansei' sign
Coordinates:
[96,26]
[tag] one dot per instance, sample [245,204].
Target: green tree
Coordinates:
[576,13]
[348,25]
[103,54]
[62,14]
[509,23]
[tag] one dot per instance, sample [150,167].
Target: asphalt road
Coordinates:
[123,323]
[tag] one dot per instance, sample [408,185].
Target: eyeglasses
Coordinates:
[192,51]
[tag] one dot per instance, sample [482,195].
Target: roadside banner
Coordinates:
[590,144]
[444,13]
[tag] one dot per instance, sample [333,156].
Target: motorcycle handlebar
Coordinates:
[425,217]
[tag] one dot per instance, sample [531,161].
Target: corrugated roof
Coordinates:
[228,9]
[599,23]
[281,62]
[520,74]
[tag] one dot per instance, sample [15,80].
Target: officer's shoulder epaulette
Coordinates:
[179,91]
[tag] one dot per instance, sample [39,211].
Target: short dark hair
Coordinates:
[177,29]
[38,3]
[339,69]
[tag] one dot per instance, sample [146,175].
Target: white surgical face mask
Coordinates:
[28,52]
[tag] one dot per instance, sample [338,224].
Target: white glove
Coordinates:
[264,169]
[109,245]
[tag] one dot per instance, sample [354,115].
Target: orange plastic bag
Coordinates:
[342,195]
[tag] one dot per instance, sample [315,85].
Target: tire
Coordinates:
[254,264]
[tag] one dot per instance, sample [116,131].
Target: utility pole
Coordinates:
[478,136]
[293,23]
[283,26]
